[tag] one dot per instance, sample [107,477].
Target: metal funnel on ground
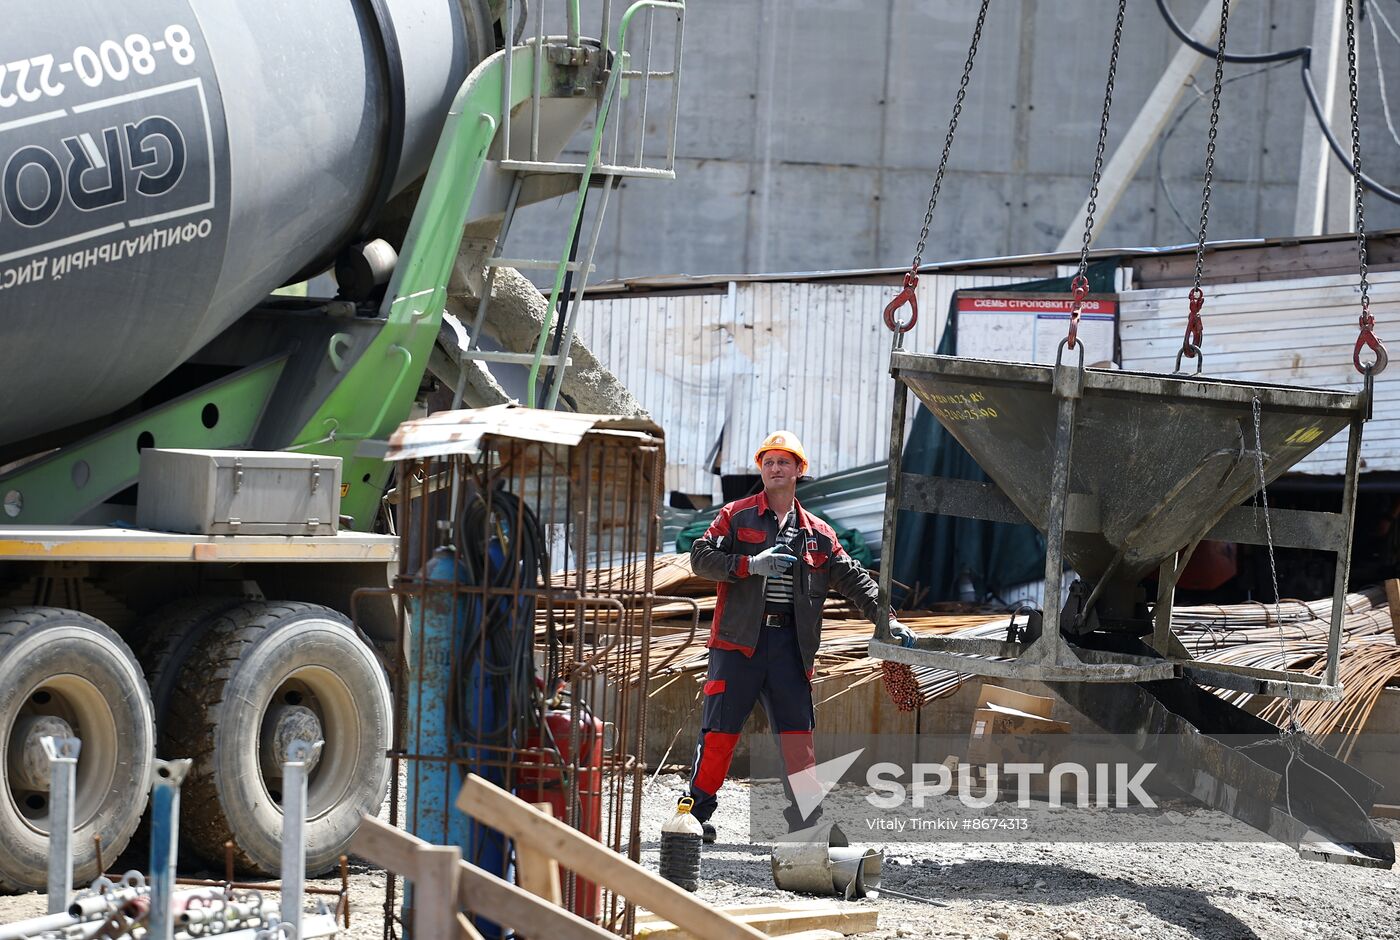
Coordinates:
[821,860]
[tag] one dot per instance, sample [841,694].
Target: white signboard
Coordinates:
[1029,327]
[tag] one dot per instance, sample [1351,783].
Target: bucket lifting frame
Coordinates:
[1122,472]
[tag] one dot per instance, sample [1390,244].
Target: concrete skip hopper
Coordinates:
[1126,472]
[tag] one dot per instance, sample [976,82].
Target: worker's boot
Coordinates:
[707,830]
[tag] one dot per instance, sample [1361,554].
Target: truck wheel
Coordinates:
[164,640]
[265,674]
[65,673]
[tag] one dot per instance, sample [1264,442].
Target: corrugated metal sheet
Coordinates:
[720,371]
[1298,332]
[677,356]
[465,431]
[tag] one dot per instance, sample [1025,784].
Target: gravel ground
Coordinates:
[1205,888]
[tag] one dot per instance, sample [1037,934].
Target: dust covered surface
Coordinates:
[1206,889]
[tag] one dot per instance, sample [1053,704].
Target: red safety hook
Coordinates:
[905,296]
[1195,326]
[1368,338]
[1080,286]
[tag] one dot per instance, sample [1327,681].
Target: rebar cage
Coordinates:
[526,571]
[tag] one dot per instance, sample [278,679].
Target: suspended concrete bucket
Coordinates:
[1124,473]
[821,860]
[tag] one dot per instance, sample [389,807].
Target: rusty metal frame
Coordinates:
[601,488]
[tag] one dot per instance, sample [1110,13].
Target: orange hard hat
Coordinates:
[784,441]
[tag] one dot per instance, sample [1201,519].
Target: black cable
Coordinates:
[1243,58]
[1303,53]
[1379,189]
[1171,129]
[497,636]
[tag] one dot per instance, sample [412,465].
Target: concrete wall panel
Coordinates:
[693,224]
[1071,65]
[813,217]
[974,216]
[927,50]
[810,129]
[821,79]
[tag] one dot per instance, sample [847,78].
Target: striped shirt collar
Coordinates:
[762,506]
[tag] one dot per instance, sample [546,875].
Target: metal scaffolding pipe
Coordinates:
[165,842]
[63,765]
[299,755]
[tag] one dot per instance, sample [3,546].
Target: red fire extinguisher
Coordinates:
[544,776]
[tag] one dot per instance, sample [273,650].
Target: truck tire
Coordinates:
[63,672]
[262,675]
[163,642]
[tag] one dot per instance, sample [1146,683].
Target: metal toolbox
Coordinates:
[238,492]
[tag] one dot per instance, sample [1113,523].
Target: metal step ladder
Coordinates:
[585,72]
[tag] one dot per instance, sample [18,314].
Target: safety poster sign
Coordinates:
[1028,327]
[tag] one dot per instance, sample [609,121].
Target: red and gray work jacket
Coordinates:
[746,527]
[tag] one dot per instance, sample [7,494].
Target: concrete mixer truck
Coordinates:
[164,167]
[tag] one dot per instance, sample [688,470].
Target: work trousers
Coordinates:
[772,676]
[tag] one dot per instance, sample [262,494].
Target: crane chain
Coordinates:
[907,293]
[1080,284]
[1195,326]
[1367,336]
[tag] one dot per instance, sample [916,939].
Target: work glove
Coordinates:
[900,633]
[771,561]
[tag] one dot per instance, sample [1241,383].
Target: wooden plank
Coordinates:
[387,847]
[530,916]
[468,931]
[1392,598]
[1385,811]
[478,890]
[1249,263]
[781,923]
[645,918]
[435,893]
[535,871]
[511,815]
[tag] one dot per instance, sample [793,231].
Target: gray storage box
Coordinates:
[238,492]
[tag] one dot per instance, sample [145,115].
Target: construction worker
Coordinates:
[774,562]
